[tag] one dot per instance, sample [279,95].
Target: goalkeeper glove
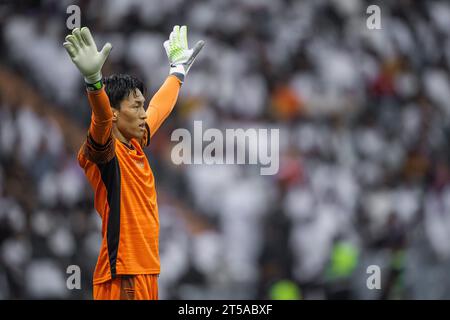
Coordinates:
[180,56]
[82,49]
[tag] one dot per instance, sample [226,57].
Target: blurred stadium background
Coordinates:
[364,176]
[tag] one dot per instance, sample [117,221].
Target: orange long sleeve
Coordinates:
[162,103]
[101,119]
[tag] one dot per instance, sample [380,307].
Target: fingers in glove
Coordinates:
[87,37]
[176,31]
[106,50]
[71,50]
[166,45]
[198,46]
[71,39]
[77,34]
[183,37]
[172,39]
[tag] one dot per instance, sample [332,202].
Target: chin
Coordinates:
[139,136]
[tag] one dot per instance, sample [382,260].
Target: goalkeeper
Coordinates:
[113,160]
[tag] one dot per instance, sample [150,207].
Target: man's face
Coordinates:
[130,119]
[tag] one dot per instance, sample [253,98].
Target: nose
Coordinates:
[143,114]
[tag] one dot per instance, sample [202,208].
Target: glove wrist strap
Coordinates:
[178,71]
[94,86]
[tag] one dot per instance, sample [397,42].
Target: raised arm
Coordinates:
[162,103]
[81,47]
[180,59]
[101,119]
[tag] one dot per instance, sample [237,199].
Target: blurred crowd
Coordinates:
[364,176]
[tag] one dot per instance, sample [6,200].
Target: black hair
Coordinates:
[119,86]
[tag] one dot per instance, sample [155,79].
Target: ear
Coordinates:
[115,114]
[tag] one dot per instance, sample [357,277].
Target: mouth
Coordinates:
[142,126]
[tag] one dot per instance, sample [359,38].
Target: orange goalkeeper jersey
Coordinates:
[124,187]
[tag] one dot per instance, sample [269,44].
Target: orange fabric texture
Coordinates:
[101,119]
[139,287]
[124,187]
[162,103]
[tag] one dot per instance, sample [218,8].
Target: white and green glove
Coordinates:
[83,51]
[180,56]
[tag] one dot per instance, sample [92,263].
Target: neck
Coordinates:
[116,132]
